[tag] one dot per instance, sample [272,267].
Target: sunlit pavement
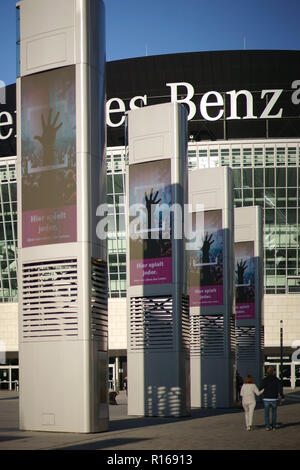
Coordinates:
[205,429]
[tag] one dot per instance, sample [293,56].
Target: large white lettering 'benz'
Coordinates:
[211,104]
[6,125]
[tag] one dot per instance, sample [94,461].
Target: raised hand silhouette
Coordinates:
[48,137]
[241,267]
[207,242]
[150,201]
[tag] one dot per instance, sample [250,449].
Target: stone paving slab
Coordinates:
[205,429]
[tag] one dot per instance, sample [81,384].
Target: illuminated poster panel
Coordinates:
[49,157]
[245,280]
[206,262]
[150,240]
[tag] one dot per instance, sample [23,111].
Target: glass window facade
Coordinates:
[265,173]
[268,175]
[8,231]
[116,229]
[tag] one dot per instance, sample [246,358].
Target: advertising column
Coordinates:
[210,268]
[158,324]
[249,291]
[61,182]
[48,116]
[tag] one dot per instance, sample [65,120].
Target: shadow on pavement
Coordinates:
[129,422]
[10,438]
[102,444]
[9,398]
[126,422]
[288,425]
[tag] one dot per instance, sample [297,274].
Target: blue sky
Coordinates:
[137,28]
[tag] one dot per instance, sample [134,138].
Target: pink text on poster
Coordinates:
[245,311]
[45,226]
[151,271]
[206,296]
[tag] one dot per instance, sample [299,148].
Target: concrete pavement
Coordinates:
[205,429]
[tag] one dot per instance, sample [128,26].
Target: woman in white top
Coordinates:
[248,392]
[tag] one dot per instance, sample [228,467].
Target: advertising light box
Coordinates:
[206,263]
[150,245]
[157,300]
[245,280]
[49,157]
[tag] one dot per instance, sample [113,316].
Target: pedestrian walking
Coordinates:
[273,392]
[248,392]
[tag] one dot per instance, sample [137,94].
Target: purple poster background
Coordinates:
[245,280]
[151,248]
[151,271]
[44,226]
[206,262]
[49,157]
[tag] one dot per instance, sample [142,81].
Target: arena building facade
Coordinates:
[243,112]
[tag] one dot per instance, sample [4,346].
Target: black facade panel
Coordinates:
[8,144]
[267,75]
[276,73]
[246,129]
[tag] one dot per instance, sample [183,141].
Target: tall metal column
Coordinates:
[158,324]
[210,270]
[249,291]
[61,182]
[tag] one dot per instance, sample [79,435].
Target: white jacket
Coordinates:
[248,393]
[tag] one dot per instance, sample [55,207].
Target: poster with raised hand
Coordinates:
[150,200]
[244,280]
[48,149]
[205,261]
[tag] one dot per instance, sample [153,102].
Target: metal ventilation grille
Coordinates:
[207,335]
[245,342]
[232,336]
[262,338]
[185,322]
[195,335]
[151,323]
[99,316]
[50,299]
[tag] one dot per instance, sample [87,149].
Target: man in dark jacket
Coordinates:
[272,391]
